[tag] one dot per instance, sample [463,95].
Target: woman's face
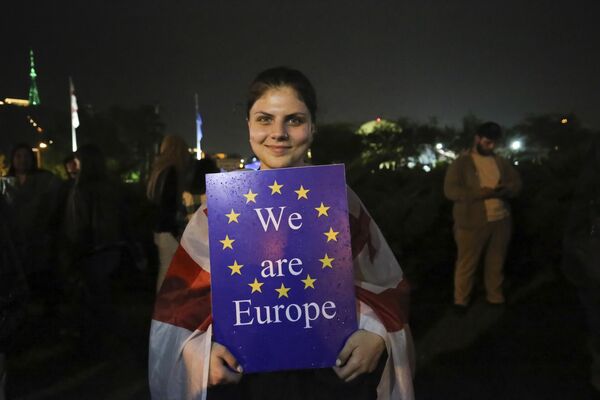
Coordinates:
[281,129]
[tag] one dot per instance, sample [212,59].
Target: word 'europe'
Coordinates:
[307,312]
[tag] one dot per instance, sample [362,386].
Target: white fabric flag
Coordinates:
[74,116]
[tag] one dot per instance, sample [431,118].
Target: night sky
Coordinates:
[500,60]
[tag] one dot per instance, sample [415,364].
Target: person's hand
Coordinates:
[360,355]
[223,368]
[500,191]
[487,192]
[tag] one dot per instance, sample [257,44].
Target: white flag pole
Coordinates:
[74,116]
[198,130]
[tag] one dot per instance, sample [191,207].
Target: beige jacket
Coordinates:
[462,186]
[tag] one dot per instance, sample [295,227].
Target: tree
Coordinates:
[336,143]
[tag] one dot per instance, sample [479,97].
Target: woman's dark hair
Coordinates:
[92,164]
[280,77]
[197,183]
[30,153]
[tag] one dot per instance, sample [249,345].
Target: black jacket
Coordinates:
[13,287]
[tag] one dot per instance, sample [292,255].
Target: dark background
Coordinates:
[432,62]
[422,59]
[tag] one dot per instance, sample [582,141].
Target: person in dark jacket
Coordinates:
[13,289]
[581,252]
[165,187]
[95,224]
[33,198]
[194,194]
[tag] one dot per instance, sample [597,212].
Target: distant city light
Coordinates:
[43,145]
[411,164]
[564,121]
[16,102]
[388,165]
[426,168]
[516,163]
[516,145]
[378,119]
[439,146]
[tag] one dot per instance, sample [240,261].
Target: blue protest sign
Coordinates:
[281,266]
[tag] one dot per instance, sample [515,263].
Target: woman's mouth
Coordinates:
[278,149]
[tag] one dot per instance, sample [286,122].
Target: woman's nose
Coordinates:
[279,131]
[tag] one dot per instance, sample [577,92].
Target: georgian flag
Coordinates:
[181,331]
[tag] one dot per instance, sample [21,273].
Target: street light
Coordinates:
[516,145]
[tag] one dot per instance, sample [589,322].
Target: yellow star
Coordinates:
[275,188]
[233,217]
[256,286]
[331,235]
[308,282]
[302,193]
[283,291]
[326,261]
[227,242]
[235,268]
[250,197]
[322,209]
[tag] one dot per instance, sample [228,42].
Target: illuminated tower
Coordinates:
[34,96]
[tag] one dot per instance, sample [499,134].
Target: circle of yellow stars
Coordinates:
[302,193]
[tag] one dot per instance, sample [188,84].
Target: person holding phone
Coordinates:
[480,183]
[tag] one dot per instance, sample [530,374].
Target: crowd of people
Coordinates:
[63,239]
[80,227]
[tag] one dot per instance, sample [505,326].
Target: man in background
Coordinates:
[479,183]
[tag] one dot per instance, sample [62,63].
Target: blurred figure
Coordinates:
[71,167]
[13,290]
[34,197]
[194,194]
[581,252]
[95,224]
[480,183]
[165,188]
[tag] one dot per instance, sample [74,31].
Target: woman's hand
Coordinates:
[223,368]
[360,355]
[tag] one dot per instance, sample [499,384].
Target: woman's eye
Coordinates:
[295,121]
[263,119]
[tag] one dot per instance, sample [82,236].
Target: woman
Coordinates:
[375,361]
[34,200]
[165,188]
